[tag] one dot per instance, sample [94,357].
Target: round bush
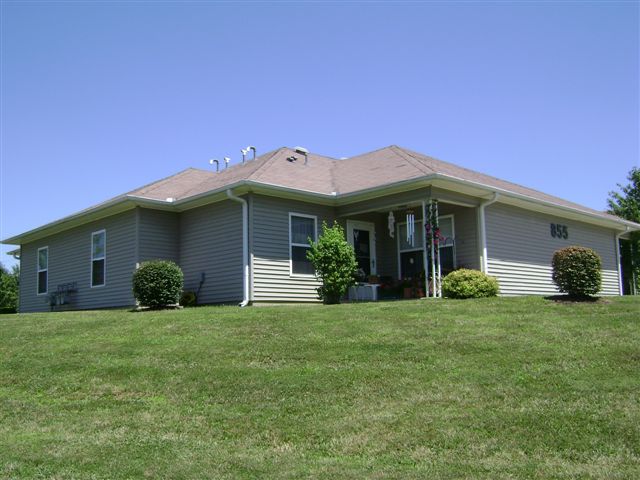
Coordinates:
[466,283]
[577,271]
[158,283]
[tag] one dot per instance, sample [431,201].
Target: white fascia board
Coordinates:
[106,209]
[126,202]
[530,203]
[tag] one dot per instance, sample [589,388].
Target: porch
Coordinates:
[393,248]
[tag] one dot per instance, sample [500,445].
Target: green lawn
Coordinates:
[498,388]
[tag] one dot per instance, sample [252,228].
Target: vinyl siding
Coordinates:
[520,248]
[70,261]
[211,243]
[158,235]
[272,281]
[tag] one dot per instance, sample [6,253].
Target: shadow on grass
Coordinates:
[575,299]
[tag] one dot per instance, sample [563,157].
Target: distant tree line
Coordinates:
[9,281]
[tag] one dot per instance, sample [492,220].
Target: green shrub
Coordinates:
[466,283]
[335,263]
[577,271]
[158,283]
[188,299]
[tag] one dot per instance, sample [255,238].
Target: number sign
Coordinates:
[559,231]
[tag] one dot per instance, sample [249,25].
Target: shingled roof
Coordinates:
[330,176]
[327,177]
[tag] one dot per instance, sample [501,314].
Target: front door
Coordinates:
[362,235]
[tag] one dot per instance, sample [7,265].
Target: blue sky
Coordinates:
[98,98]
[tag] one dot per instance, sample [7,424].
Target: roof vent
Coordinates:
[292,159]
[212,161]
[226,162]
[302,151]
[244,152]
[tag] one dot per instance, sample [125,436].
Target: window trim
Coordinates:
[424,239]
[291,244]
[453,235]
[38,270]
[104,258]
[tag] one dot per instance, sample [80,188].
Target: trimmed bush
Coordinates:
[466,283]
[577,271]
[158,283]
[335,263]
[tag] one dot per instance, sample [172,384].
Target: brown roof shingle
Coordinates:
[327,175]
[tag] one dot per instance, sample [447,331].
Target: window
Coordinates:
[410,256]
[447,244]
[411,263]
[43,270]
[301,229]
[98,257]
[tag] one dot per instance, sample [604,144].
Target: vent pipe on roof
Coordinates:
[246,150]
[211,162]
[226,162]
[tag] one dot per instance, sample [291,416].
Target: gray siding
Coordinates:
[520,248]
[272,281]
[211,243]
[70,261]
[158,235]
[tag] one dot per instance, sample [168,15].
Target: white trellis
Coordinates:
[432,237]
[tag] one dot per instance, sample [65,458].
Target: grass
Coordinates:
[495,388]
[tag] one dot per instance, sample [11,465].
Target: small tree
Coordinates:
[335,263]
[626,204]
[9,281]
[577,271]
[158,283]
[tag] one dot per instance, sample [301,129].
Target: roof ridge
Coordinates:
[367,153]
[411,152]
[260,168]
[501,180]
[162,181]
[412,159]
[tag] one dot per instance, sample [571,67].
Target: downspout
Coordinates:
[618,235]
[484,263]
[245,247]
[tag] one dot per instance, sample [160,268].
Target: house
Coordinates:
[240,235]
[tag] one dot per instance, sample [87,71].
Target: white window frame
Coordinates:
[414,249]
[424,239]
[103,257]
[291,244]
[453,234]
[38,270]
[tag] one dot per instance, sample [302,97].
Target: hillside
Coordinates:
[499,388]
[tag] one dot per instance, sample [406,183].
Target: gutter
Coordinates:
[484,263]
[335,199]
[245,247]
[619,259]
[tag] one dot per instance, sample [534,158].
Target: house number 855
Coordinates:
[559,231]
